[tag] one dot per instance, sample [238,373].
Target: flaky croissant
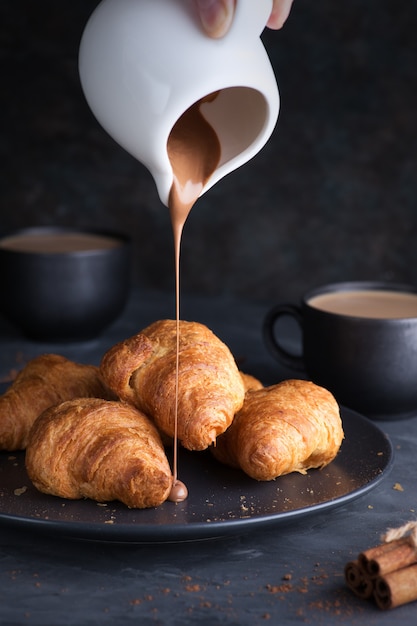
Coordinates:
[98,449]
[141,370]
[289,427]
[45,380]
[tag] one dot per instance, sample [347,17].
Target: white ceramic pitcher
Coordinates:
[143,63]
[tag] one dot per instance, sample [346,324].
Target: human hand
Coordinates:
[217,15]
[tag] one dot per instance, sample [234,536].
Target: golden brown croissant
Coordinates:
[45,380]
[98,449]
[289,427]
[141,370]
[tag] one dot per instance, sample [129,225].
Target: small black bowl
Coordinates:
[60,284]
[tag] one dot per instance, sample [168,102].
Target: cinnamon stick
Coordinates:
[373,554]
[401,555]
[389,569]
[396,588]
[358,580]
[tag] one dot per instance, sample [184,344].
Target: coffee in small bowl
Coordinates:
[61,284]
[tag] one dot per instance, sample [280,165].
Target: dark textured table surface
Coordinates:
[289,574]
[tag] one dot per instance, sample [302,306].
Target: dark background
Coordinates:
[331,197]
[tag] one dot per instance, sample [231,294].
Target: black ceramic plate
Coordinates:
[221,501]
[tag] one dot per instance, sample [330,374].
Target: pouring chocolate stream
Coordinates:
[194,152]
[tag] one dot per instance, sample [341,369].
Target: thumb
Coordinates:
[216,16]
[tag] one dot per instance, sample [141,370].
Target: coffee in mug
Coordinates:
[373,303]
[359,340]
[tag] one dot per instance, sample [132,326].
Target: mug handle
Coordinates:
[290,360]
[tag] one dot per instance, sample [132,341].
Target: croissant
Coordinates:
[289,427]
[98,449]
[142,370]
[45,380]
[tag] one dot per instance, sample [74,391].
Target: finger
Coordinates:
[216,16]
[280,13]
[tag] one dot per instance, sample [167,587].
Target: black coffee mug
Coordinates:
[61,284]
[359,340]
